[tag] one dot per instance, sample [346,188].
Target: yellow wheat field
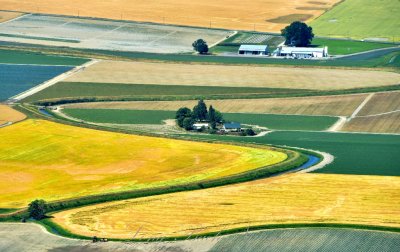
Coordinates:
[294,198]
[232,76]
[340,105]
[8,114]
[269,15]
[41,159]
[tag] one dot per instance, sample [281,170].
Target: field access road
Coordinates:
[51,82]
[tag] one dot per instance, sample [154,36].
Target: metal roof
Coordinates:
[232,125]
[258,48]
[289,50]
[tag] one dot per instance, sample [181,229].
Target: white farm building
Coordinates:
[253,50]
[302,52]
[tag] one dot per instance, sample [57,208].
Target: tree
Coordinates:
[211,117]
[181,114]
[200,111]
[218,117]
[37,209]
[250,132]
[200,46]
[298,34]
[188,123]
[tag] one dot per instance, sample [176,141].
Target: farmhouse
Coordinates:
[198,126]
[302,52]
[231,127]
[253,50]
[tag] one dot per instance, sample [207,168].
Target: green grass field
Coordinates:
[361,19]
[343,47]
[283,122]
[23,57]
[362,154]
[309,239]
[119,116]
[84,89]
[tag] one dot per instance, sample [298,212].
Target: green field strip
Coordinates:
[343,47]
[283,122]
[360,19]
[36,58]
[356,154]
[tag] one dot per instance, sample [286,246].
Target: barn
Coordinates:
[253,50]
[302,52]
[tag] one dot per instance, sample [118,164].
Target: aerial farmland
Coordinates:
[199,126]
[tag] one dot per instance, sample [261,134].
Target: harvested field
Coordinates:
[386,123]
[309,239]
[294,198]
[108,35]
[7,114]
[41,159]
[381,103]
[221,14]
[341,105]
[8,15]
[232,76]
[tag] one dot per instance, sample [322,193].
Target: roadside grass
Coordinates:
[120,116]
[355,153]
[360,19]
[283,122]
[343,47]
[25,57]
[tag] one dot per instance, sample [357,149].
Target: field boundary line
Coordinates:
[105,33]
[221,40]
[14,19]
[51,82]
[358,109]
[19,64]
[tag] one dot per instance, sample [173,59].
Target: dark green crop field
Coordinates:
[84,89]
[119,116]
[362,154]
[283,122]
[23,57]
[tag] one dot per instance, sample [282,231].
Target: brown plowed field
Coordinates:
[8,114]
[269,15]
[232,76]
[341,105]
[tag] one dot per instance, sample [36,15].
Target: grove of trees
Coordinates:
[37,209]
[298,34]
[185,117]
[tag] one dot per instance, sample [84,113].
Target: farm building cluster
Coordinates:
[285,51]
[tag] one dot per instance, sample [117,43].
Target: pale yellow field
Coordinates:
[7,15]
[233,14]
[295,198]
[41,159]
[8,114]
[341,105]
[232,76]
